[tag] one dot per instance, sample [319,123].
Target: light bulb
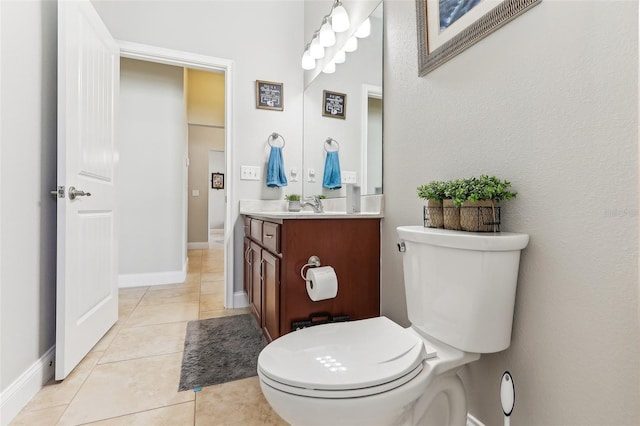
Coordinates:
[330,68]
[340,57]
[327,36]
[315,49]
[351,45]
[339,18]
[308,63]
[364,29]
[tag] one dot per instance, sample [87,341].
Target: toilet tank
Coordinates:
[461,286]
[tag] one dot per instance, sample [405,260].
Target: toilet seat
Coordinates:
[343,360]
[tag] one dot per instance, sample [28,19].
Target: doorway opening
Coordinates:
[222,67]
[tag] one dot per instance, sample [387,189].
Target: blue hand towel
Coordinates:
[276,175]
[332,179]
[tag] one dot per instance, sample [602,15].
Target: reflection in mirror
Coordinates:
[357,127]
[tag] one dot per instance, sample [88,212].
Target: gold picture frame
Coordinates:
[269,95]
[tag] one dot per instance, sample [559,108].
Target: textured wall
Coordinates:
[550,102]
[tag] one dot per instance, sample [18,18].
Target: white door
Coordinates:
[88,85]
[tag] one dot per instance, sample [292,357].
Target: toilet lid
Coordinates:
[343,356]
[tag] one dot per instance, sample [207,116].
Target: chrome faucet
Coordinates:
[315,204]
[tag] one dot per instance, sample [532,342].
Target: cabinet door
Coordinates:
[255,291]
[271,295]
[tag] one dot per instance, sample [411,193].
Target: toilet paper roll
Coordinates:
[322,283]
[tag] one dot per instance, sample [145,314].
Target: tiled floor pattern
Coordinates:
[131,376]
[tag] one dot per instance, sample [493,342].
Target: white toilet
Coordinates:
[460,290]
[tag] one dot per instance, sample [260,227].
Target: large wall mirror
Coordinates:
[356,86]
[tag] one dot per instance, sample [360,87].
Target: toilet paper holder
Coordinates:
[313,262]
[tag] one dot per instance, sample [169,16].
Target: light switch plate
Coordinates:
[348,176]
[195,192]
[249,173]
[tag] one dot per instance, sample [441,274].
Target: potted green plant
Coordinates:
[455,193]
[293,204]
[478,210]
[433,193]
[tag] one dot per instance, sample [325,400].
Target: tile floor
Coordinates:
[131,376]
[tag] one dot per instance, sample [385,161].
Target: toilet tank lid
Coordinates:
[481,241]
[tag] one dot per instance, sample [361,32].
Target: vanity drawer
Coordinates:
[256,229]
[271,236]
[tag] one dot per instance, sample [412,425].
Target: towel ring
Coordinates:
[328,142]
[273,137]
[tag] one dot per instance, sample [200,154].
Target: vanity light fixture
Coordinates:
[336,21]
[364,29]
[327,36]
[351,45]
[339,17]
[330,68]
[316,50]
[308,63]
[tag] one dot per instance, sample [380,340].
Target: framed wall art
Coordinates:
[217,180]
[448,27]
[334,104]
[269,95]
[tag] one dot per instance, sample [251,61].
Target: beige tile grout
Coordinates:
[138,412]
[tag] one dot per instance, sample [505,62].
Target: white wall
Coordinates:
[27,174]
[150,181]
[234,30]
[550,102]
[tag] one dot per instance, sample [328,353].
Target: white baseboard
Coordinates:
[198,246]
[25,387]
[472,421]
[153,278]
[240,300]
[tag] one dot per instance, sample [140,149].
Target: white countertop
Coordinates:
[308,214]
[334,208]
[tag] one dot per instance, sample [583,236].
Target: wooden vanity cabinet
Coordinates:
[278,294]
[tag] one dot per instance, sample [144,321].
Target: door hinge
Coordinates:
[58,193]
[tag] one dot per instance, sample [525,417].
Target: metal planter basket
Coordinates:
[483,218]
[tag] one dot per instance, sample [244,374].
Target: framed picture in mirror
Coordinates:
[334,104]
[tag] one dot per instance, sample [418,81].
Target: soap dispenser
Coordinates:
[353,198]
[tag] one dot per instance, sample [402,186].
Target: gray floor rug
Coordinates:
[219,350]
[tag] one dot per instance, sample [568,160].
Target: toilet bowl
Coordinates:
[460,292]
[366,372]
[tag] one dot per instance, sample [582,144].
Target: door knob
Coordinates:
[73,193]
